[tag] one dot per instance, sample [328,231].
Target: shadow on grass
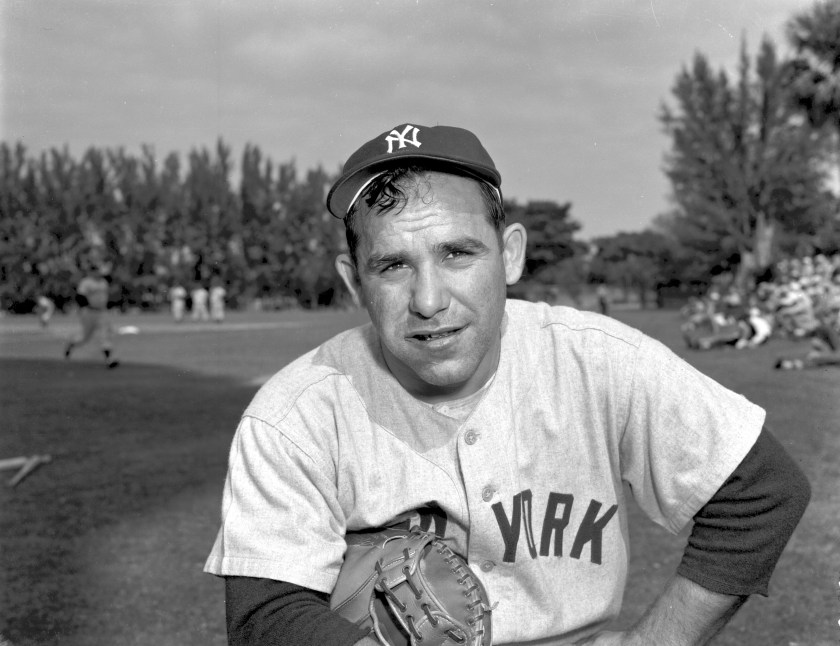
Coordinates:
[101,545]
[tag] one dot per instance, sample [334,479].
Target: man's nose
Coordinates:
[430,293]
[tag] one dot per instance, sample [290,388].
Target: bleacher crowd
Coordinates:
[799,299]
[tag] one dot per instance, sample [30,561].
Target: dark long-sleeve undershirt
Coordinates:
[739,535]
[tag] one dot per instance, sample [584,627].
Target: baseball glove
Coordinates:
[407,587]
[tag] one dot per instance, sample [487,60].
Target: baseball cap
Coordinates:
[409,143]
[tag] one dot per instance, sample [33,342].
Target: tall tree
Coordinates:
[815,72]
[742,162]
[815,34]
[638,261]
[214,222]
[551,230]
[313,237]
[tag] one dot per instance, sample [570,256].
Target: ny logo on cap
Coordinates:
[402,138]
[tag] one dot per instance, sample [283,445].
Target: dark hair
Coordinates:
[388,191]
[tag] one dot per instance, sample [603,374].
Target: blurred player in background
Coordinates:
[825,344]
[178,301]
[217,300]
[199,298]
[92,299]
[44,308]
[603,299]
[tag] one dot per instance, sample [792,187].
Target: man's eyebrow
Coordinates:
[465,243]
[380,261]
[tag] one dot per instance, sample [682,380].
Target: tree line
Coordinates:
[750,167]
[156,223]
[754,166]
[260,228]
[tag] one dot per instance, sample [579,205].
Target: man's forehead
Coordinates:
[439,208]
[437,189]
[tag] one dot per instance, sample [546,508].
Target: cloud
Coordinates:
[564,94]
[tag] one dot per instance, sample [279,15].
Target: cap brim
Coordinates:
[347,190]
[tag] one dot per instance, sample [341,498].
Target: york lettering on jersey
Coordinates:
[555,521]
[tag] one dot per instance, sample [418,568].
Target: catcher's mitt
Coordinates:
[408,586]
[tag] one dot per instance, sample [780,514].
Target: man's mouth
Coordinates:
[433,336]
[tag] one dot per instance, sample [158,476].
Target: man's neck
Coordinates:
[433,394]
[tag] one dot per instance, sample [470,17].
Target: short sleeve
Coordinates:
[280,515]
[685,434]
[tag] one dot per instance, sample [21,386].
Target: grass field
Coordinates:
[104,546]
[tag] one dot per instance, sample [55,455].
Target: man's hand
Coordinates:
[685,614]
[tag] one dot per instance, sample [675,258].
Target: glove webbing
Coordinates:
[456,568]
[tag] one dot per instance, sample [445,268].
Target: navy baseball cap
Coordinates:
[409,143]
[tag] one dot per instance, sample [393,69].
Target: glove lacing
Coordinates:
[465,579]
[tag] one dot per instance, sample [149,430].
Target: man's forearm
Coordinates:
[685,614]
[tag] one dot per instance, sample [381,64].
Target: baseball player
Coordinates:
[199,296]
[508,428]
[178,301]
[217,301]
[44,308]
[92,299]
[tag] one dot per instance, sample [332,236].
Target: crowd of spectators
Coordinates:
[799,299]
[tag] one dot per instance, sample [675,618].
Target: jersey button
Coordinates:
[486,566]
[471,437]
[487,494]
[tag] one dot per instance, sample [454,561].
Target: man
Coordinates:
[511,426]
[199,296]
[44,308]
[825,344]
[603,295]
[178,301]
[92,300]
[217,300]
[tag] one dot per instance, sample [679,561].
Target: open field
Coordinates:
[105,544]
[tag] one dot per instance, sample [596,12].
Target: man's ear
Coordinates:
[514,241]
[346,268]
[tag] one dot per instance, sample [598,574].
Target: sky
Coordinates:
[564,94]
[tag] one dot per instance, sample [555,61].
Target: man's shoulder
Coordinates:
[314,374]
[89,283]
[541,318]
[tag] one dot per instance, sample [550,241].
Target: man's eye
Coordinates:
[458,253]
[393,267]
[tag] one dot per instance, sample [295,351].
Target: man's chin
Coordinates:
[428,376]
[443,383]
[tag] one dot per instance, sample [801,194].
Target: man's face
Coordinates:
[433,278]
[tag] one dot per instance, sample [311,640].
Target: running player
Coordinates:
[92,300]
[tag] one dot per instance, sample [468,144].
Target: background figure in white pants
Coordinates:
[199,304]
[217,301]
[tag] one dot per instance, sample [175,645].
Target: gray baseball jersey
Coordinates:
[527,485]
[95,289]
